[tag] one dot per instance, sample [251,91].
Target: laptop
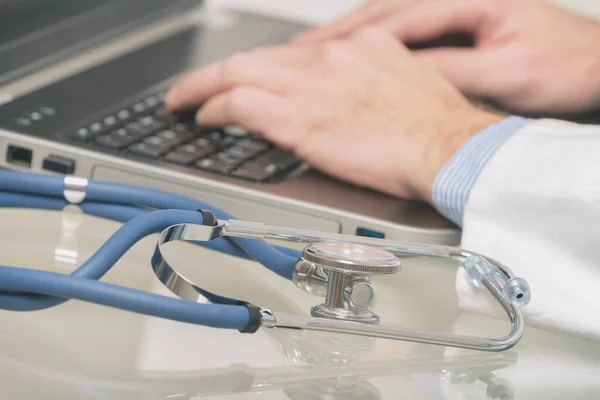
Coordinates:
[83,85]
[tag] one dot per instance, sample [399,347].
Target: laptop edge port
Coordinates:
[370,233]
[19,156]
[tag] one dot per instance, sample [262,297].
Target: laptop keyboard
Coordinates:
[147,129]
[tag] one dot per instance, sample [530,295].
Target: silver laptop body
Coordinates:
[76,73]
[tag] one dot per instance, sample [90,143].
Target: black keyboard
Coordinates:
[148,130]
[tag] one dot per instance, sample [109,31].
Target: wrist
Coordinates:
[450,138]
[452,187]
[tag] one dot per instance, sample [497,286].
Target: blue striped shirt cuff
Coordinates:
[454,183]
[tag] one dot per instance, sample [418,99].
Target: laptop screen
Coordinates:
[35,33]
[21,18]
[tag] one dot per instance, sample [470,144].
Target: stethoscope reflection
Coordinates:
[66,251]
[348,353]
[326,351]
[323,367]
[497,388]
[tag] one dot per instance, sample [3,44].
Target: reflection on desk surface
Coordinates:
[83,351]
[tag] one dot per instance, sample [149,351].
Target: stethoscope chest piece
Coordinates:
[341,272]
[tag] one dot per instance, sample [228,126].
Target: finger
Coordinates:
[253,108]
[424,21]
[382,50]
[377,44]
[205,83]
[288,56]
[341,28]
[474,72]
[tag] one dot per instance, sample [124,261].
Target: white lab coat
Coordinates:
[536,208]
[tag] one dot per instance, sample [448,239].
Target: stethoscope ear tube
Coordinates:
[135,208]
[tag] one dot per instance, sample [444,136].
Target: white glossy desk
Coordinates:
[83,351]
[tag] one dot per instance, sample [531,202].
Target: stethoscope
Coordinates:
[337,267]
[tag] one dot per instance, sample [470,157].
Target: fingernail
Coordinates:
[171,95]
[200,116]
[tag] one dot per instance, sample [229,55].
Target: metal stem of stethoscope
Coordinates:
[336,272]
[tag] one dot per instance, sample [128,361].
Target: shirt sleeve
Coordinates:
[453,184]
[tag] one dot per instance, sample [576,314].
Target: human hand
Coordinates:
[361,109]
[529,56]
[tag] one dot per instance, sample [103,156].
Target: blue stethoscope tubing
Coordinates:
[29,290]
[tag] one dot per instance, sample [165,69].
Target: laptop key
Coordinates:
[246,152]
[253,145]
[232,157]
[144,128]
[161,113]
[137,129]
[214,165]
[83,134]
[284,160]
[238,152]
[217,136]
[268,165]
[256,172]
[148,150]
[162,141]
[147,120]
[217,164]
[116,140]
[95,129]
[124,115]
[226,141]
[139,108]
[197,149]
[235,131]
[181,127]
[235,154]
[175,136]
[110,121]
[181,158]
[203,142]
[151,101]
